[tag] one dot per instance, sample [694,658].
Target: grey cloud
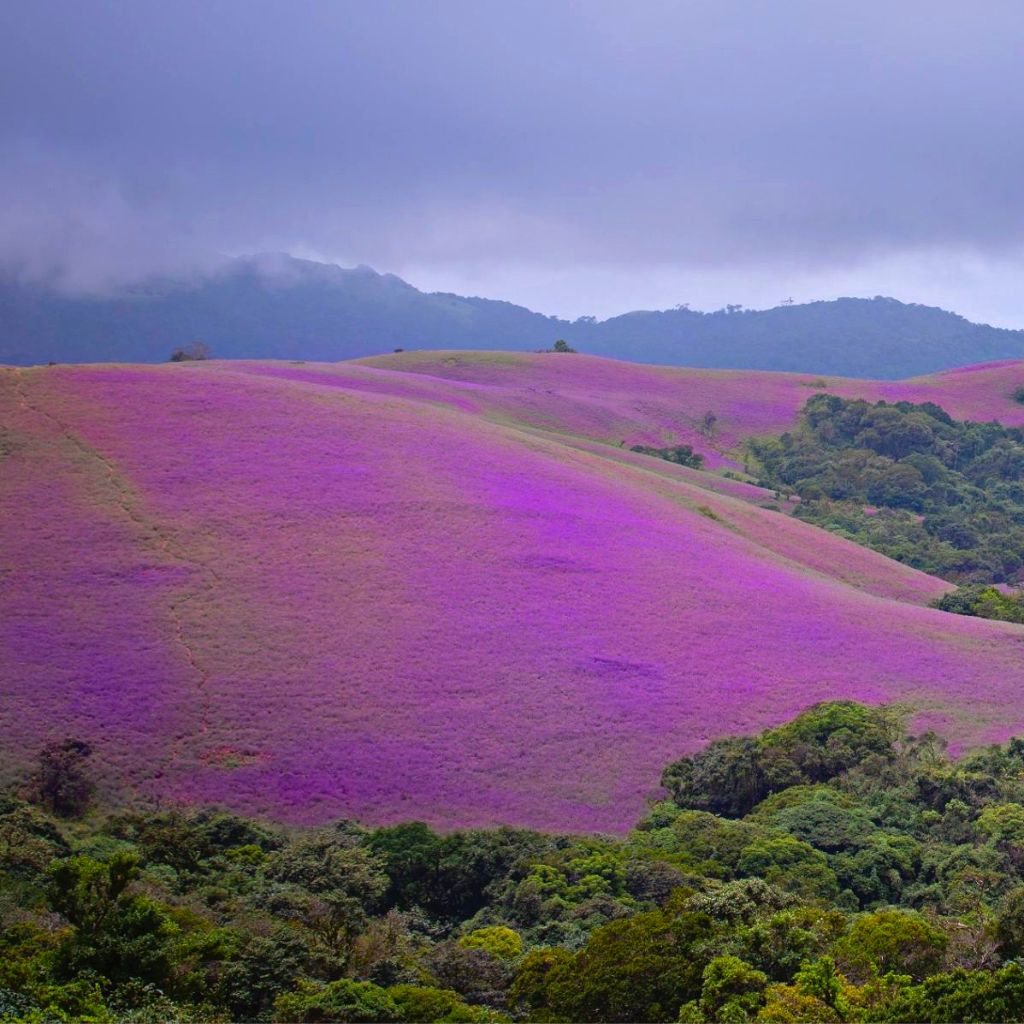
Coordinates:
[141,137]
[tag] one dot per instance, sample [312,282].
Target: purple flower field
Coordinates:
[630,403]
[437,586]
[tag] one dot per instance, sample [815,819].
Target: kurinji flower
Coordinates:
[439,586]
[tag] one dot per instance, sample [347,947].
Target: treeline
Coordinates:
[983,602]
[941,495]
[681,454]
[831,869]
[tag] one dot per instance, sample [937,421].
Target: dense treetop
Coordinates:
[906,479]
[829,869]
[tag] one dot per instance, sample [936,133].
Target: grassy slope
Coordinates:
[353,589]
[633,403]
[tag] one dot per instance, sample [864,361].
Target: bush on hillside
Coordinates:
[984,602]
[61,782]
[195,352]
[681,454]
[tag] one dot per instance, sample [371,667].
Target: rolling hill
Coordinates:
[277,307]
[439,586]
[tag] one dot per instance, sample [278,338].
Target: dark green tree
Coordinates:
[61,781]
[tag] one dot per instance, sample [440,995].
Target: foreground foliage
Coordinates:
[830,869]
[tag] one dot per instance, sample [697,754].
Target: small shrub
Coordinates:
[190,353]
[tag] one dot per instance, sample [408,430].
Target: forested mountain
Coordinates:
[279,307]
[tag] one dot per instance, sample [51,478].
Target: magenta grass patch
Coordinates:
[632,403]
[356,590]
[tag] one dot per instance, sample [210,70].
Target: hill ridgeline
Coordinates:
[278,307]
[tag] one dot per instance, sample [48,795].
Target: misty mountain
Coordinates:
[284,308]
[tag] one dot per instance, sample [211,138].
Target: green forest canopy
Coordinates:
[830,869]
[909,481]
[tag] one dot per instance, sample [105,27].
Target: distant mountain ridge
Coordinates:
[278,307]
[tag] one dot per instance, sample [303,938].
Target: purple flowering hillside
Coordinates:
[441,586]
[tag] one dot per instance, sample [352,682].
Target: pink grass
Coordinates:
[315,591]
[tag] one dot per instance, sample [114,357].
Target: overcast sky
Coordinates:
[582,157]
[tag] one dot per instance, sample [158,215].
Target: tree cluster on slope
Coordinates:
[681,454]
[908,480]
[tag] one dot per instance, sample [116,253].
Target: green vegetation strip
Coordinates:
[909,481]
[831,869]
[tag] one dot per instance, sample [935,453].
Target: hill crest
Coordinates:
[278,307]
